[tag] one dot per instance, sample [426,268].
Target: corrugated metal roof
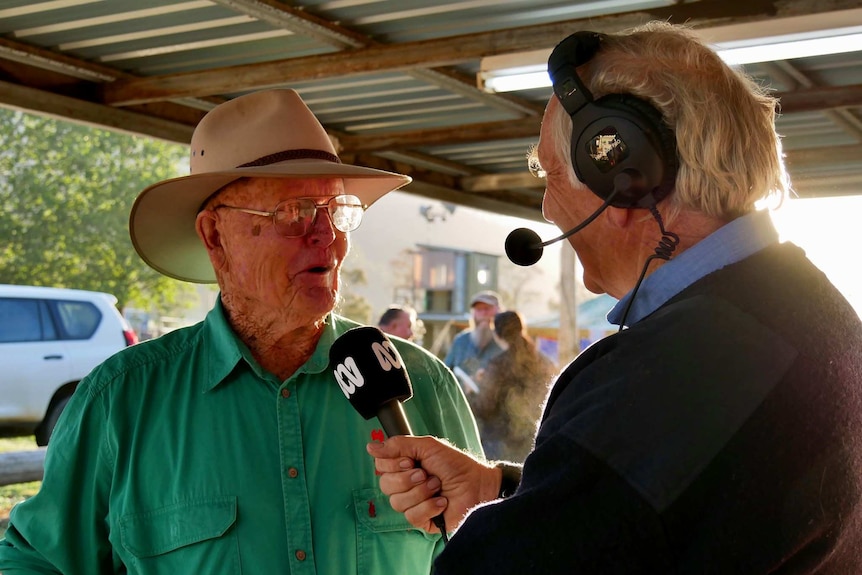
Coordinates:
[434,121]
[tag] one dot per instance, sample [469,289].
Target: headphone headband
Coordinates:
[575,50]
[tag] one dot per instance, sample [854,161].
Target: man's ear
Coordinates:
[619,217]
[206,225]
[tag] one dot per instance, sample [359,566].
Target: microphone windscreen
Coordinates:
[524,247]
[369,370]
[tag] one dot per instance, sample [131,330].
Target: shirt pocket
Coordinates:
[386,542]
[192,536]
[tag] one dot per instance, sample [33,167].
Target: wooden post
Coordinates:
[568,334]
[22,466]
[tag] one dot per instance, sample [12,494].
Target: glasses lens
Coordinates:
[346,212]
[294,218]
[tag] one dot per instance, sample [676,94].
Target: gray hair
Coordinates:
[729,152]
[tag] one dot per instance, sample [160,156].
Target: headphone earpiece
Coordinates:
[621,147]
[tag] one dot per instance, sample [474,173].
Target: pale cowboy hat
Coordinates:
[271,133]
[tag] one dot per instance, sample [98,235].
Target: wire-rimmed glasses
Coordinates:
[295,217]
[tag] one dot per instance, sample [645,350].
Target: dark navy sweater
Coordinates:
[721,434]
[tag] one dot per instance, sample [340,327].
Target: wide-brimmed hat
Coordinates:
[271,133]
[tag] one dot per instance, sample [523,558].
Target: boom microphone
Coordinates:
[371,374]
[524,247]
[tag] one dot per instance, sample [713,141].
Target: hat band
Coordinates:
[301,154]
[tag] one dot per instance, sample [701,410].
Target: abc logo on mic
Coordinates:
[349,376]
[369,370]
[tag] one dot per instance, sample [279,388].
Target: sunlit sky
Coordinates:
[830,232]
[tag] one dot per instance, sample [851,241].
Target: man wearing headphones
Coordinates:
[720,430]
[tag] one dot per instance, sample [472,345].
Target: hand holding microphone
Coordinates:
[465,481]
[371,374]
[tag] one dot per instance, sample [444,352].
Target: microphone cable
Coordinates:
[440,523]
[663,251]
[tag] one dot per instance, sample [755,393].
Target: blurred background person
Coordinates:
[475,346]
[513,390]
[398,320]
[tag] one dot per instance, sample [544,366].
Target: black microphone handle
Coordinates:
[393,419]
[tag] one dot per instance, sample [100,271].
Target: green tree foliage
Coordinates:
[66,191]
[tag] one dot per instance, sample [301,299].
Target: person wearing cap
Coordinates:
[228,446]
[473,348]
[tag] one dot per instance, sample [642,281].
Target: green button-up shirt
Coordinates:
[181,455]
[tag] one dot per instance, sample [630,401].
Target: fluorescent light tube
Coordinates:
[790,50]
[735,53]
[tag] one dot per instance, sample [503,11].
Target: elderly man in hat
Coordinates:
[228,446]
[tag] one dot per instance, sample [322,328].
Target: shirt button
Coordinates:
[285,393]
[292,472]
[300,555]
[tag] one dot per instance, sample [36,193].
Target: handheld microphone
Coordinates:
[372,376]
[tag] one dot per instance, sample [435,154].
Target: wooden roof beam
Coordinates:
[441,51]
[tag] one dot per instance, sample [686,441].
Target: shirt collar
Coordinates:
[226,349]
[220,350]
[729,244]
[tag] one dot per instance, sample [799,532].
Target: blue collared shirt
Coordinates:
[729,244]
